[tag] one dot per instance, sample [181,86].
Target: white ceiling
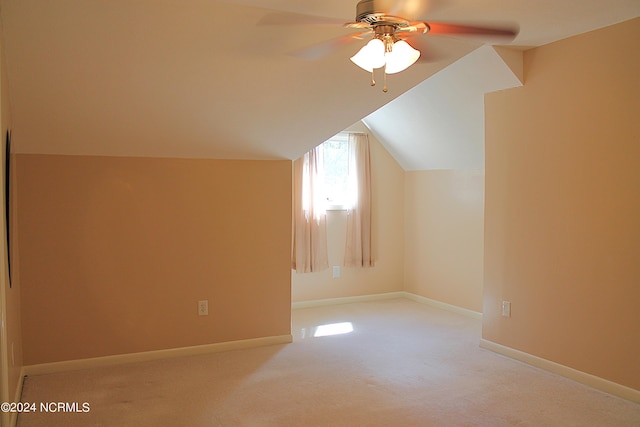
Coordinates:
[203,78]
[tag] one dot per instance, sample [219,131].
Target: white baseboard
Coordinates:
[565,371]
[388,295]
[443,305]
[13,420]
[119,359]
[346,300]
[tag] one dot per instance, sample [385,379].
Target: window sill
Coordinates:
[337,208]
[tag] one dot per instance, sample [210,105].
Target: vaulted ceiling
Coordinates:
[204,78]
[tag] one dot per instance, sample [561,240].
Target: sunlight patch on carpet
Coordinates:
[333,329]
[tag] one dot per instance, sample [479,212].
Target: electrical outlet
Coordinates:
[336,271]
[506,308]
[203,308]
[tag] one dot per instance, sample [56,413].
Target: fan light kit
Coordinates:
[386,50]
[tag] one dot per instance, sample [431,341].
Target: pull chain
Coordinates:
[384,89]
[373,80]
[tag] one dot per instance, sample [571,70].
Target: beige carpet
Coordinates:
[404,364]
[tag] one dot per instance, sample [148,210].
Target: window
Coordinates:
[336,171]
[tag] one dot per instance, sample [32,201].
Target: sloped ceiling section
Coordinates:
[439,124]
[189,78]
[208,79]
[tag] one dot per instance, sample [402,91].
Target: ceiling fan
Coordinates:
[388,48]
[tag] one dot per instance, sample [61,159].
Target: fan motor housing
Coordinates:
[373,12]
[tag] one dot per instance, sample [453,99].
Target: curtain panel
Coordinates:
[309,214]
[359,248]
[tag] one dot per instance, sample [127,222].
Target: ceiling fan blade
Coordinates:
[325,48]
[290,18]
[429,51]
[442,28]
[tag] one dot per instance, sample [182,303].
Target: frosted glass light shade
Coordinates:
[401,57]
[370,56]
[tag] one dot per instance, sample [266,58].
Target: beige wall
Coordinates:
[116,252]
[11,333]
[562,236]
[444,236]
[387,275]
